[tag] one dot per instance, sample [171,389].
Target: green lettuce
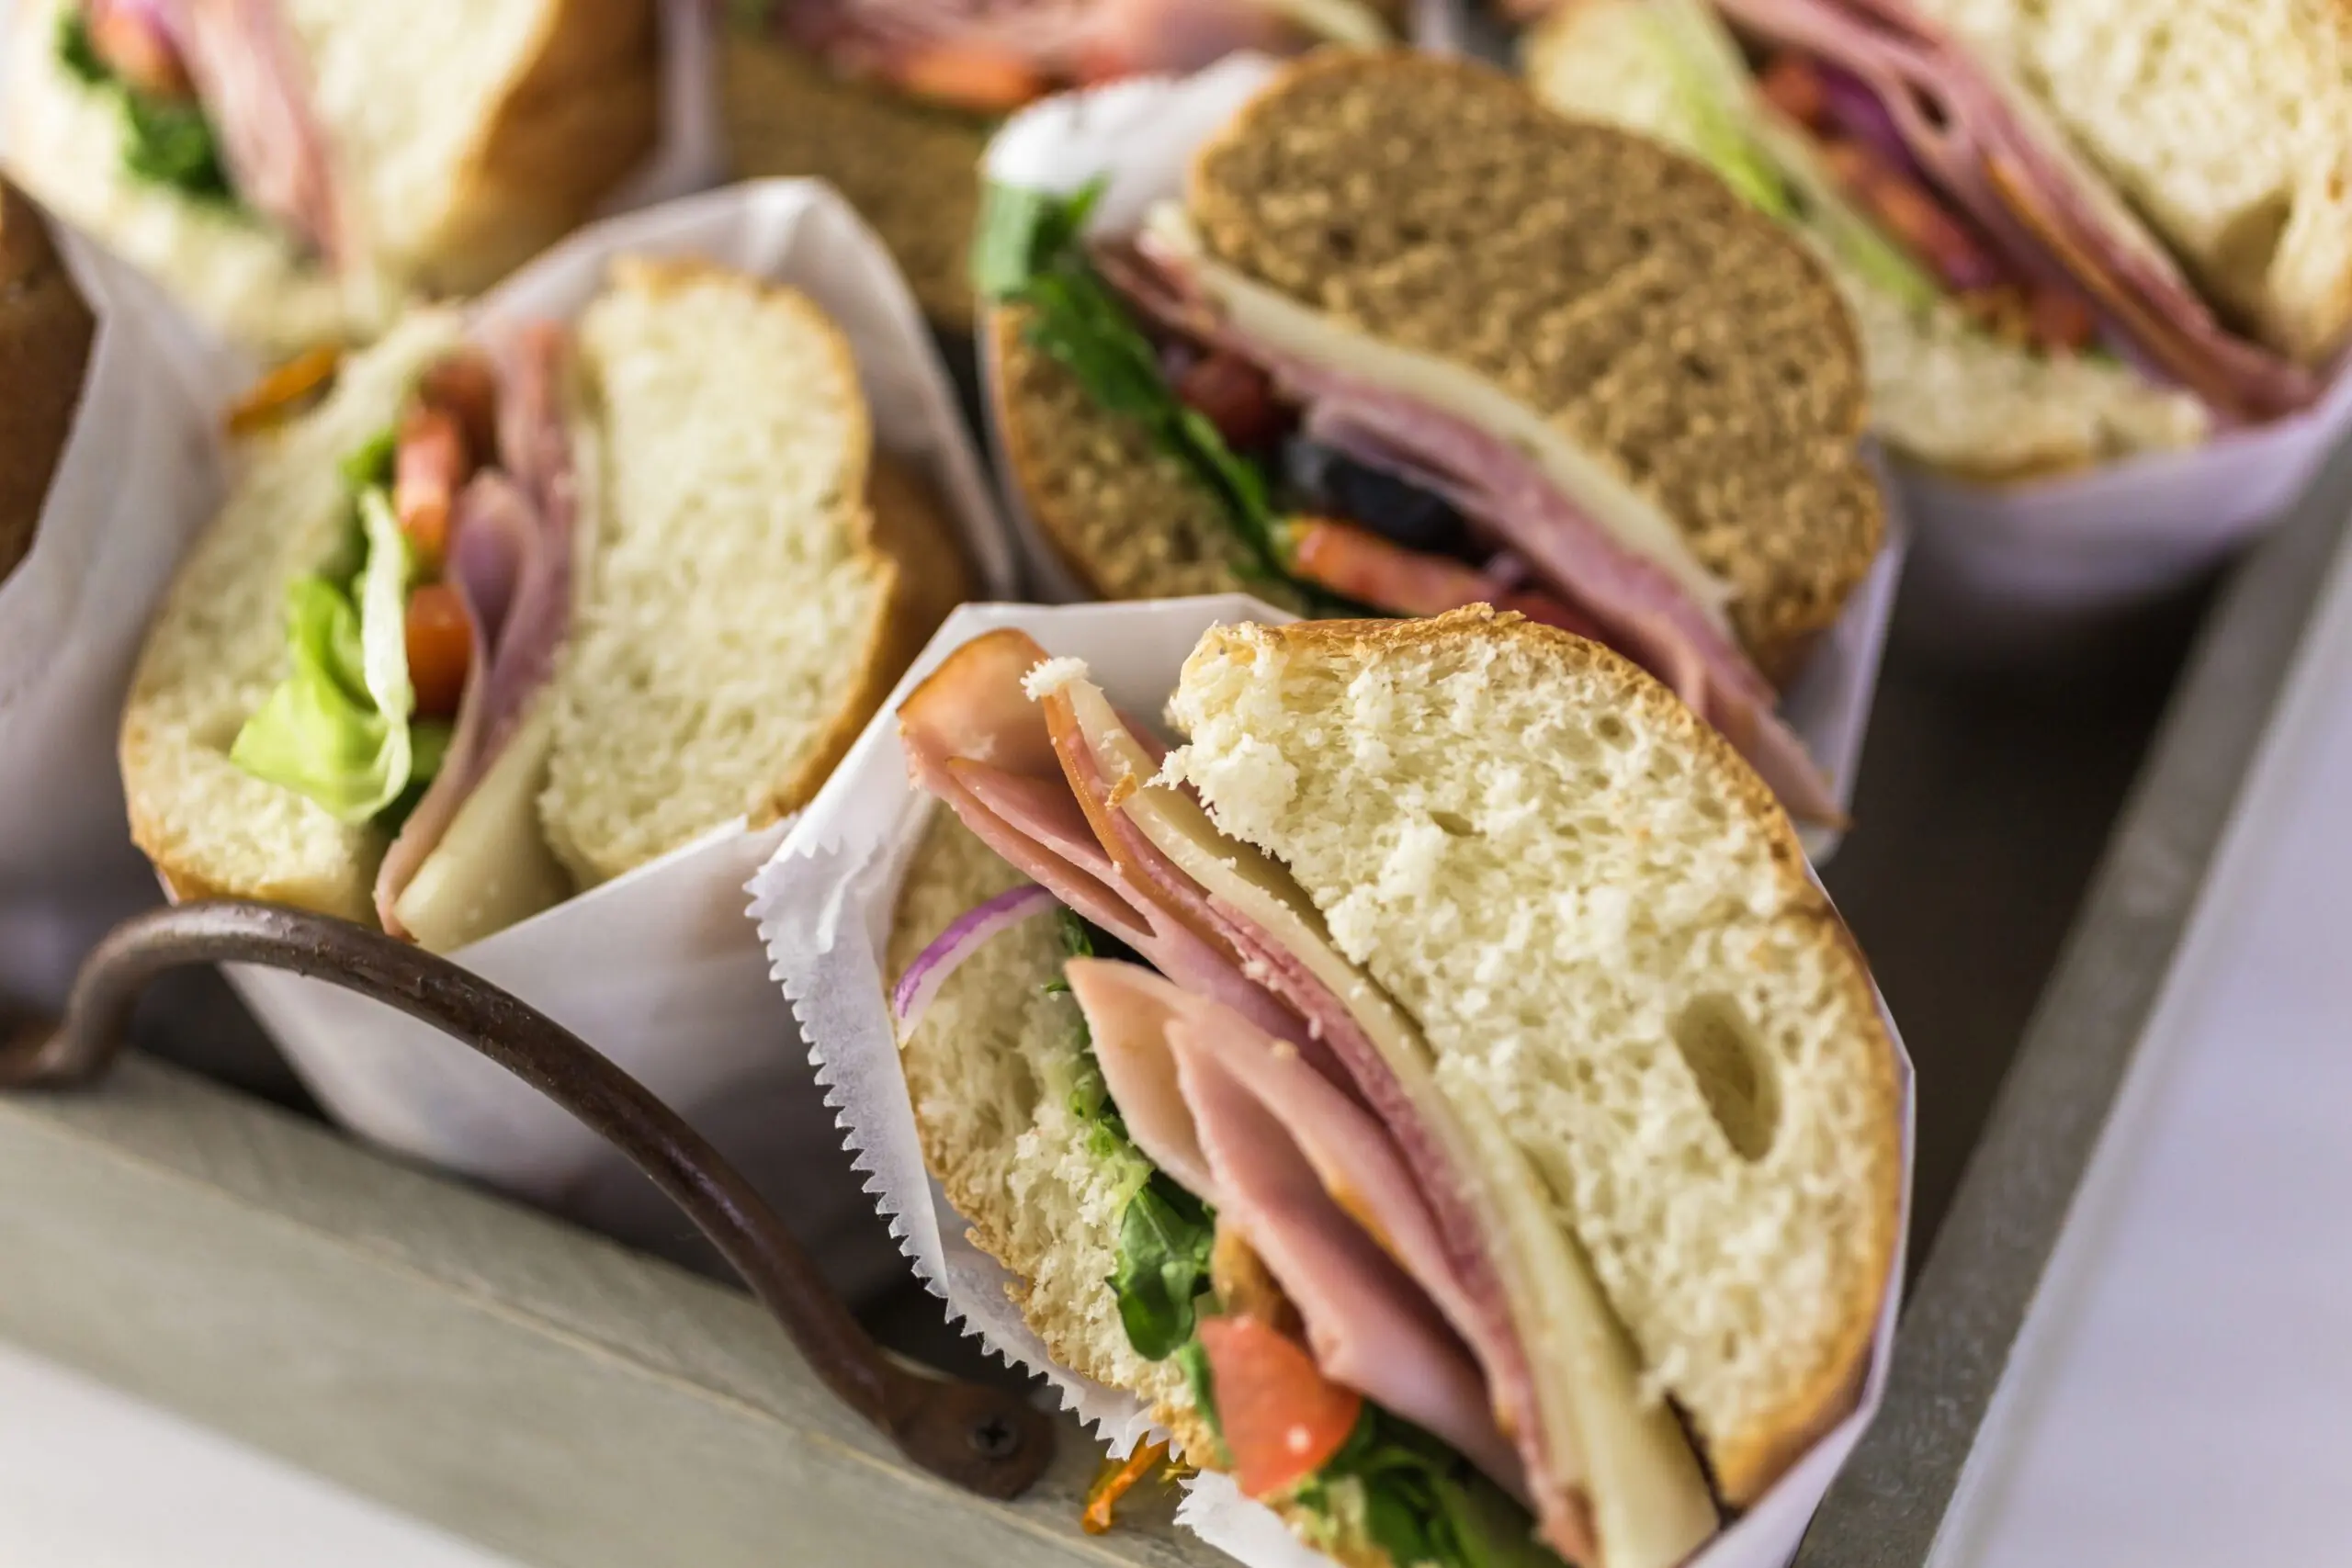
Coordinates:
[167,140]
[1164,1232]
[1031,251]
[339,728]
[1417,1500]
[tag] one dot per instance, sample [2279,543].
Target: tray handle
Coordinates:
[986,1440]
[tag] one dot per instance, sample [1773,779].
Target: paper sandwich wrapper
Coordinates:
[824,906]
[654,968]
[1140,135]
[139,476]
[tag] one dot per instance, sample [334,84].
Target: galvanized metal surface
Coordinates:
[1971,1299]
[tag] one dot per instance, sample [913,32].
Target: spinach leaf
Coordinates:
[1164,1239]
[1032,251]
[1420,1501]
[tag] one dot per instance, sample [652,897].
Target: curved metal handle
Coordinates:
[986,1440]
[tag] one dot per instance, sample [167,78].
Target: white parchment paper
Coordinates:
[824,904]
[654,968]
[138,477]
[1140,135]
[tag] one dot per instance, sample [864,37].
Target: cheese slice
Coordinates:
[1298,332]
[492,867]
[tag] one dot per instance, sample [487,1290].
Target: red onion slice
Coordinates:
[930,969]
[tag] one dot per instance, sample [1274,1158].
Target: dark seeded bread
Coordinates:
[45,332]
[1619,290]
[913,171]
[1129,521]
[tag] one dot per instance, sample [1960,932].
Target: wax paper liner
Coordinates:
[1141,134]
[824,905]
[139,475]
[654,968]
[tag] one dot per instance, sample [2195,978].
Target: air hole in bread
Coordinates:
[1699,369]
[1733,1072]
[1453,824]
[1342,243]
[1612,732]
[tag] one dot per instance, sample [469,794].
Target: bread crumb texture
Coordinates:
[990,1067]
[731,605]
[1608,935]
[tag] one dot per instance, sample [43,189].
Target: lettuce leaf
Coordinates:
[1410,1494]
[337,730]
[1165,1233]
[1031,251]
[168,140]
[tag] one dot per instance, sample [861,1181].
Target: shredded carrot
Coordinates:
[1115,1482]
[276,396]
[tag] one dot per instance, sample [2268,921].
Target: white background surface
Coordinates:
[90,1479]
[2182,1394]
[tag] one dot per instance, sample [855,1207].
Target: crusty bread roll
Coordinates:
[1942,390]
[45,334]
[2222,122]
[466,134]
[1543,833]
[756,579]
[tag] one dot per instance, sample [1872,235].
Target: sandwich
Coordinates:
[1411,341]
[2071,232]
[509,615]
[893,101]
[1434,1088]
[295,171]
[46,331]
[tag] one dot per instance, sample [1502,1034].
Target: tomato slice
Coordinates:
[440,646]
[1282,1418]
[1234,396]
[427,472]
[982,80]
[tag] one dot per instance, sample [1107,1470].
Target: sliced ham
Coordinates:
[1047,41]
[251,80]
[1314,1184]
[2015,176]
[510,557]
[1641,610]
[975,703]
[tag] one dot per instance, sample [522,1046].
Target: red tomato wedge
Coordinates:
[1283,1419]
[1386,575]
[440,646]
[982,80]
[429,469]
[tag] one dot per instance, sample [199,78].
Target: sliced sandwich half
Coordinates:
[893,101]
[46,331]
[1988,183]
[295,170]
[1411,341]
[504,619]
[1435,1089]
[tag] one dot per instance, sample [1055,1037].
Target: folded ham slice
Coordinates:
[1315,1185]
[1054,41]
[511,559]
[1994,155]
[973,720]
[250,79]
[1640,610]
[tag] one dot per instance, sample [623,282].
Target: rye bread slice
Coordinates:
[1619,290]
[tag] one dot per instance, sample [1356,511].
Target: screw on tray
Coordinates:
[989,1440]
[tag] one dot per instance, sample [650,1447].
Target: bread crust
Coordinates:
[580,114]
[1745,1464]
[583,114]
[912,170]
[46,331]
[927,573]
[1672,330]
